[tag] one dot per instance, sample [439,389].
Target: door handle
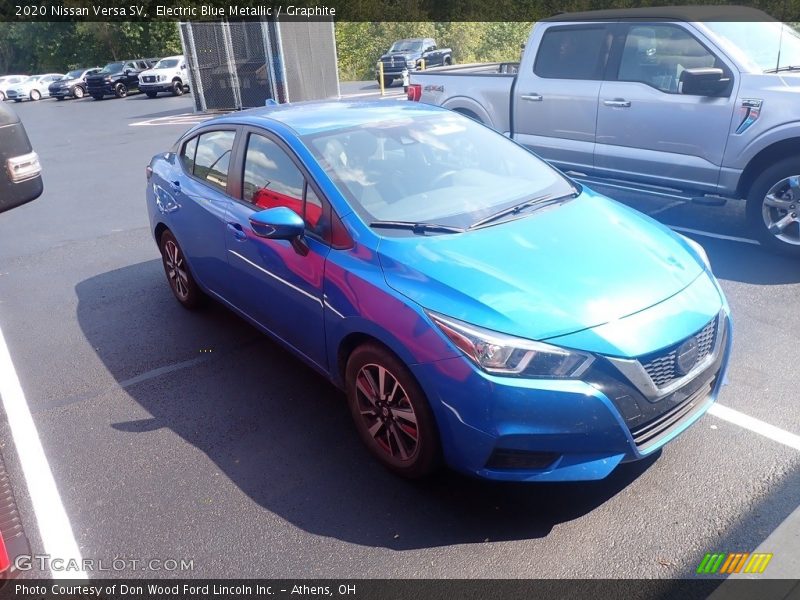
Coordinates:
[237,231]
[532,97]
[618,103]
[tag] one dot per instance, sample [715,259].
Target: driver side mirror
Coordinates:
[279,223]
[703,81]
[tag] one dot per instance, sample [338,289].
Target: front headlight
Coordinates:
[699,250]
[502,354]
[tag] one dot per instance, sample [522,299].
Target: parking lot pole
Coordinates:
[380,78]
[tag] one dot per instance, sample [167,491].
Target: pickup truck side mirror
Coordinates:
[703,81]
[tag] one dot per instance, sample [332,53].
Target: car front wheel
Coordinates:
[35,95]
[773,207]
[391,413]
[178,274]
[78,92]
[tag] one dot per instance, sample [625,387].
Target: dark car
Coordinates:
[411,54]
[117,78]
[20,172]
[72,85]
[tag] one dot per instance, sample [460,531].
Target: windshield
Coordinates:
[444,169]
[114,67]
[167,63]
[763,46]
[406,46]
[73,74]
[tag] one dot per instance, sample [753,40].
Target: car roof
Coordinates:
[177,57]
[668,13]
[307,118]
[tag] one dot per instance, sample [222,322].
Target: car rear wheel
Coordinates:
[177,88]
[36,95]
[178,274]
[78,92]
[120,90]
[391,413]
[773,207]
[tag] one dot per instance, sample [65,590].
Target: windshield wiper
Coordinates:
[783,69]
[418,228]
[538,202]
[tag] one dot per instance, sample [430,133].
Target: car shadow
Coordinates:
[282,434]
[749,263]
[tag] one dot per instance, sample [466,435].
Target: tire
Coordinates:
[387,81]
[177,88]
[151,94]
[782,182]
[408,449]
[78,92]
[448,61]
[97,96]
[36,95]
[179,277]
[120,90]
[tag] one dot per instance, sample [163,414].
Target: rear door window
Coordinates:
[574,52]
[212,157]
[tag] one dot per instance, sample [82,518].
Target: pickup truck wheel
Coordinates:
[120,90]
[177,88]
[151,94]
[448,61]
[78,92]
[773,207]
[180,279]
[391,413]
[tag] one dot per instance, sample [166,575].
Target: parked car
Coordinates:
[168,75]
[8,81]
[700,103]
[117,78]
[73,84]
[474,303]
[20,172]
[411,54]
[33,88]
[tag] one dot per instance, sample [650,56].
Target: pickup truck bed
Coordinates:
[489,88]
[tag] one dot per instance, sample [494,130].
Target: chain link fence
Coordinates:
[237,65]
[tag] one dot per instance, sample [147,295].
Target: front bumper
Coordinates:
[106,89]
[164,86]
[517,429]
[61,92]
[17,95]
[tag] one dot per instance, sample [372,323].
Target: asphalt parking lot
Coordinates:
[189,436]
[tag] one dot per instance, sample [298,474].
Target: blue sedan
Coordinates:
[478,307]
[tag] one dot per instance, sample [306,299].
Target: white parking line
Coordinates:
[760,427]
[719,236]
[54,526]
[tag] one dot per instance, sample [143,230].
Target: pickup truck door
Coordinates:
[432,56]
[647,130]
[555,96]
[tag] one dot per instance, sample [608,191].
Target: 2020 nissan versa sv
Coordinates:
[476,305]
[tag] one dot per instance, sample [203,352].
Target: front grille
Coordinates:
[662,367]
[654,430]
[11,94]
[149,79]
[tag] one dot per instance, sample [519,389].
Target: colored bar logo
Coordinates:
[734,562]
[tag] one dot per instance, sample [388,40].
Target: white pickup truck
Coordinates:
[691,102]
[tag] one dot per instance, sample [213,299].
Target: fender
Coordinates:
[467,103]
[780,133]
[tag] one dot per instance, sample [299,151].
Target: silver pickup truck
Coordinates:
[688,102]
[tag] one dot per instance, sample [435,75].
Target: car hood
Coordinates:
[577,265]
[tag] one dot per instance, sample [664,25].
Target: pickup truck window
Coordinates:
[656,55]
[574,52]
